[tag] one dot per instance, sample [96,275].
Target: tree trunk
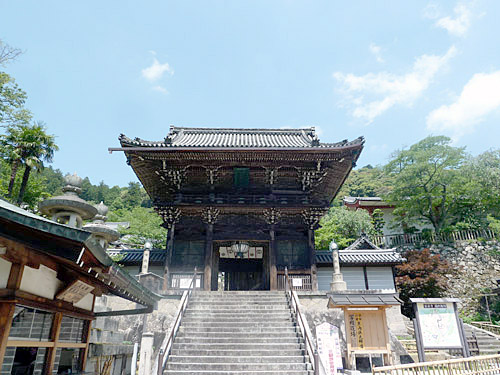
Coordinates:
[24,183]
[13,173]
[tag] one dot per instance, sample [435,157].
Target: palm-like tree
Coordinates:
[27,145]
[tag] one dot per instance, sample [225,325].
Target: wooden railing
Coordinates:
[482,365]
[167,343]
[493,328]
[394,240]
[299,281]
[302,323]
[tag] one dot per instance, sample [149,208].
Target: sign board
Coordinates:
[75,291]
[296,282]
[185,283]
[356,330]
[328,344]
[439,325]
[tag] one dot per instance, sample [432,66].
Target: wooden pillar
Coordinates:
[273,272]
[168,257]
[312,260]
[207,282]
[6,315]
[54,335]
[7,308]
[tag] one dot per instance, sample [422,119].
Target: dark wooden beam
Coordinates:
[168,257]
[312,260]
[273,273]
[54,336]
[208,256]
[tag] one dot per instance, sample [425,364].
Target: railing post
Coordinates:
[287,286]
[160,363]
[316,362]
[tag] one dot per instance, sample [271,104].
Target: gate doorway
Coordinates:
[242,266]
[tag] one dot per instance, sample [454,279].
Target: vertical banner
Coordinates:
[328,343]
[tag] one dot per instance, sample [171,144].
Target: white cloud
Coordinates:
[375,50]
[459,25]
[156,70]
[160,89]
[372,94]
[479,98]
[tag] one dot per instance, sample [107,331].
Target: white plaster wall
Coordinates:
[42,282]
[86,302]
[5,266]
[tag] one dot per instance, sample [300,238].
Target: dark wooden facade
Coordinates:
[215,188]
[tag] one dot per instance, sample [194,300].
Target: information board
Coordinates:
[328,343]
[439,326]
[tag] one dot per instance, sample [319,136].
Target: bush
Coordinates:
[423,275]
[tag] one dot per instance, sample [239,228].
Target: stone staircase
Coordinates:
[243,333]
[487,343]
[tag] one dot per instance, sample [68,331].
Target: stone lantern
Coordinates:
[69,208]
[103,233]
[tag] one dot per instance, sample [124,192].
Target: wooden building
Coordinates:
[50,275]
[241,204]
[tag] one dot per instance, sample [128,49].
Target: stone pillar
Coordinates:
[146,354]
[338,282]
[207,281]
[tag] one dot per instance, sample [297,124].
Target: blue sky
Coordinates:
[392,71]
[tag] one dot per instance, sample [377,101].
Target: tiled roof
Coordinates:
[244,138]
[360,257]
[363,298]
[322,257]
[363,243]
[135,255]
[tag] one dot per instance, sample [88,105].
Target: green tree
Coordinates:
[428,186]
[366,182]
[12,99]
[378,221]
[35,191]
[27,145]
[145,224]
[422,275]
[342,225]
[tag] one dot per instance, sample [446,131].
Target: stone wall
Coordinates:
[477,265]
[115,336]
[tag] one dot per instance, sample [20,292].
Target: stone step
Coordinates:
[286,334]
[256,366]
[249,325]
[239,352]
[226,319]
[242,306]
[224,314]
[238,330]
[237,346]
[239,340]
[286,372]
[237,359]
[238,293]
